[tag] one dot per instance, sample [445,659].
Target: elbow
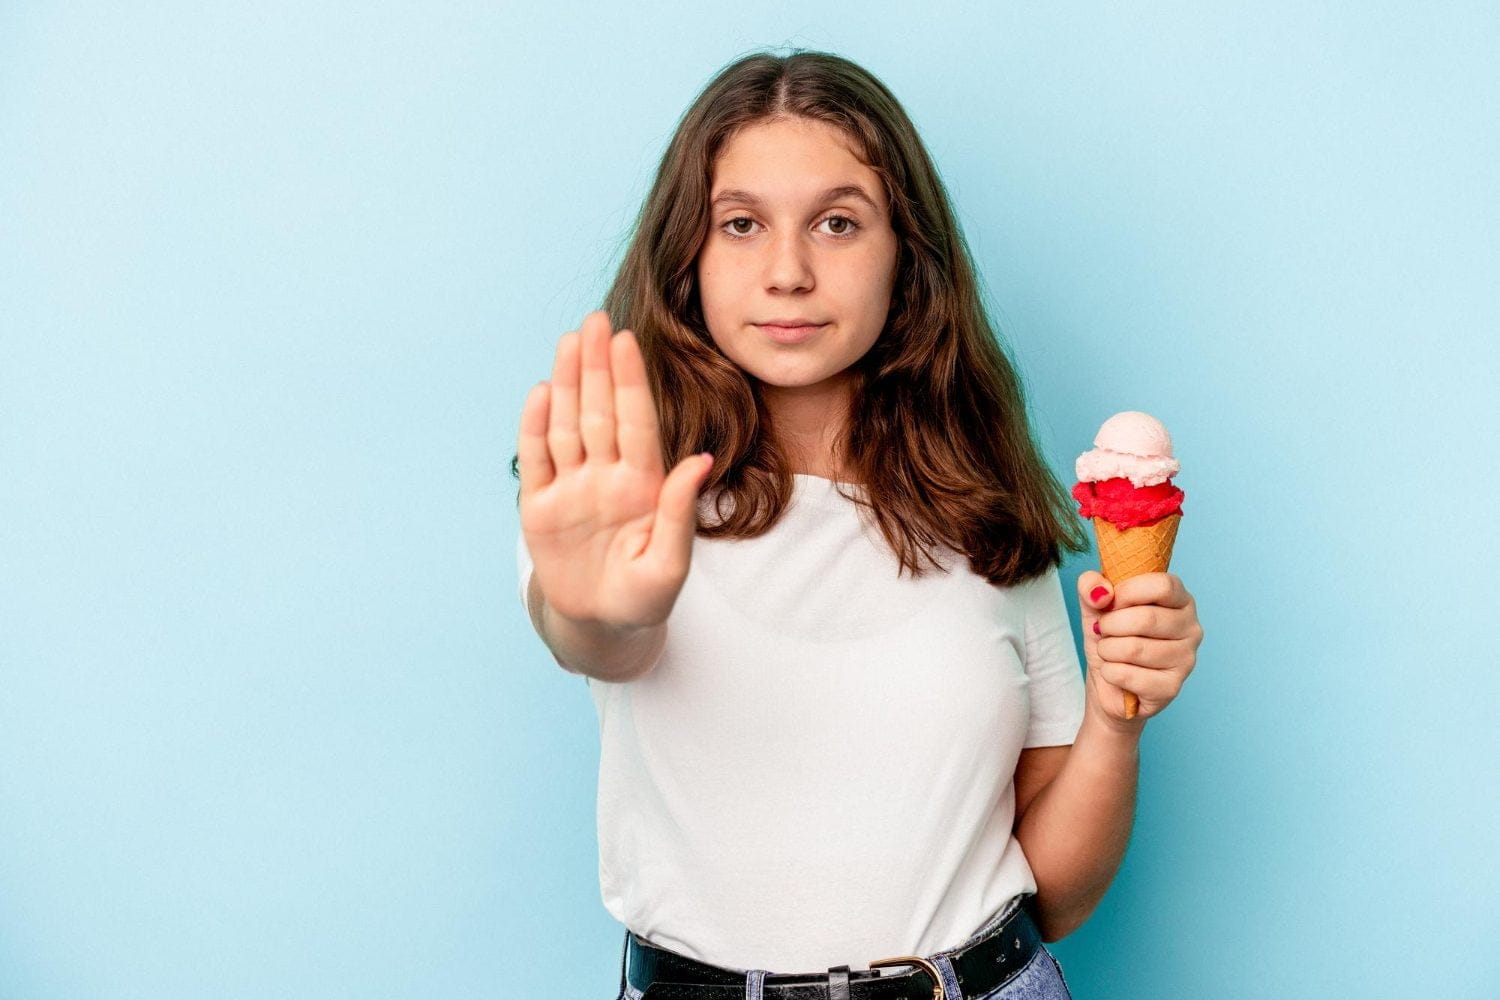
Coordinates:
[1054,920]
[1056,926]
[1052,931]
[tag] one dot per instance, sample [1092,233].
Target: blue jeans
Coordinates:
[1039,979]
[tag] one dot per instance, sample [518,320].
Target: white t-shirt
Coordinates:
[820,768]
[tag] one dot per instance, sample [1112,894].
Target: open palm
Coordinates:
[609,531]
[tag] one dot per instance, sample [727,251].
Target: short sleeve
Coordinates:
[1054,674]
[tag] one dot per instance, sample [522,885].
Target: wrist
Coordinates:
[615,653]
[1110,734]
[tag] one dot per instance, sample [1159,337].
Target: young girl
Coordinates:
[847,749]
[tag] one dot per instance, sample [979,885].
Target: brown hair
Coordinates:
[938,433]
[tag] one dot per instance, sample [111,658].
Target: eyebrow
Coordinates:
[832,194]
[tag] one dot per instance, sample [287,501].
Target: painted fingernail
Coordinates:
[1096,628]
[1097,594]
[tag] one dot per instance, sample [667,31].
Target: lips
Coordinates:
[789,334]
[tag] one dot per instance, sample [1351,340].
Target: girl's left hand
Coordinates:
[1143,637]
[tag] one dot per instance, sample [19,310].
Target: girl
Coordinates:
[851,753]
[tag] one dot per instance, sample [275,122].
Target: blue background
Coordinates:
[275,279]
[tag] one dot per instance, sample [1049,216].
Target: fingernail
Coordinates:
[1096,628]
[1098,594]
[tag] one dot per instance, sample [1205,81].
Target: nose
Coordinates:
[790,264]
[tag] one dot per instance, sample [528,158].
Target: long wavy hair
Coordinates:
[937,434]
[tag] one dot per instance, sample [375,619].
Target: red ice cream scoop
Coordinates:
[1126,505]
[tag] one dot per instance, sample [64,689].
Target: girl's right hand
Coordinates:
[609,533]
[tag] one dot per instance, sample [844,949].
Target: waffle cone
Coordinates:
[1145,548]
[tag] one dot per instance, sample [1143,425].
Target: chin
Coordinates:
[788,374]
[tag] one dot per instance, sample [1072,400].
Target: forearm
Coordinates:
[590,648]
[1074,833]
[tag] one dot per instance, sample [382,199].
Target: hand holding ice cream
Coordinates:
[1125,487]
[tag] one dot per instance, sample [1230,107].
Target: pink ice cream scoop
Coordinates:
[1133,445]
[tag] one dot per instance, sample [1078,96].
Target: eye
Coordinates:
[844,231]
[848,227]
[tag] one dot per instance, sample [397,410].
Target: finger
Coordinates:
[1165,589]
[1150,620]
[596,410]
[676,518]
[563,442]
[533,461]
[1153,654]
[636,425]
[1143,682]
[1095,594]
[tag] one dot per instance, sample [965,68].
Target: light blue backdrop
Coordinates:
[274,281]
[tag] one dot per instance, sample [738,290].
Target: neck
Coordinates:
[809,424]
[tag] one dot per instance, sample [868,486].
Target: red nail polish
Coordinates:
[1098,593]
[1096,628]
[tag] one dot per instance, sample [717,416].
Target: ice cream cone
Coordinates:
[1145,548]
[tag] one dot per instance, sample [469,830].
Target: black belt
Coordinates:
[981,965]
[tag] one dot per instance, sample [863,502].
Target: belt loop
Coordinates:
[838,983]
[755,984]
[950,977]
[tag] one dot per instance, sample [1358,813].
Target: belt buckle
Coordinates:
[937,977]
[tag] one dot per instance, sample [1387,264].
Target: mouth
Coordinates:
[789,334]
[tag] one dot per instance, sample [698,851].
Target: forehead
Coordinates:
[791,160]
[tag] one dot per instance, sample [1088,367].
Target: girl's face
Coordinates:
[799,230]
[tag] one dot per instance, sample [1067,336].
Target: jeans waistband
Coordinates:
[986,961]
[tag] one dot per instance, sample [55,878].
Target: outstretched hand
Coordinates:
[610,532]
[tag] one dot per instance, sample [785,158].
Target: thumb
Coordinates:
[1095,594]
[676,518]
